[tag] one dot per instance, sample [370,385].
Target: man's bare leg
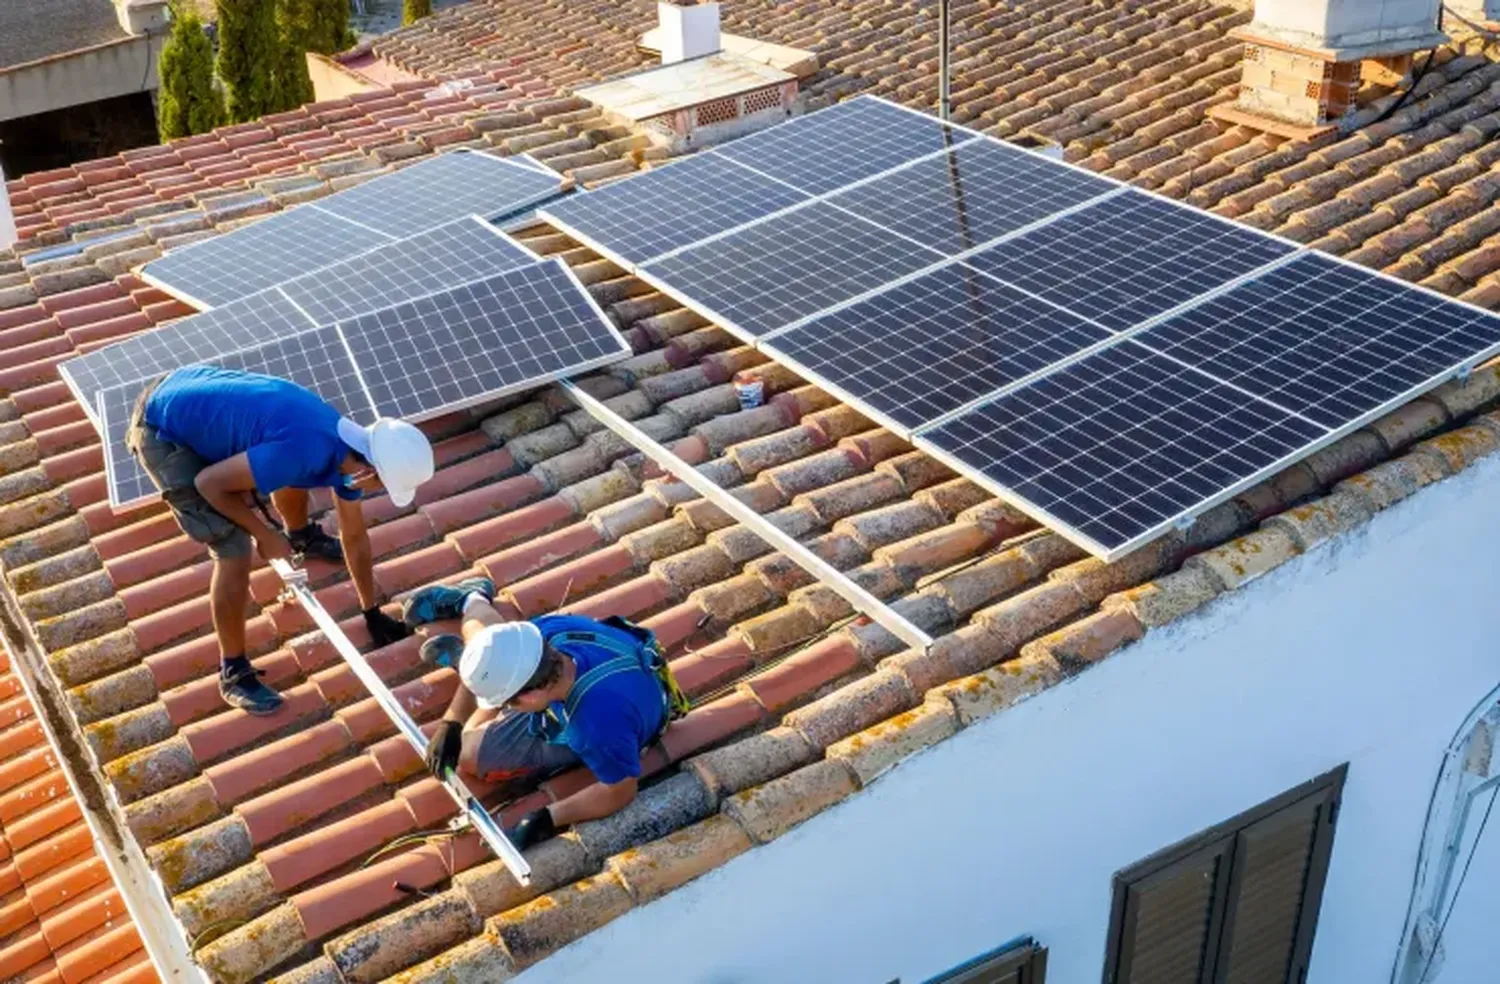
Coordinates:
[229,597]
[293,505]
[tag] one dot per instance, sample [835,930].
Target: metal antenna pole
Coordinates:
[945,95]
[489,830]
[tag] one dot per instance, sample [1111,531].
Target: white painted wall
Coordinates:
[7,217]
[1371,651]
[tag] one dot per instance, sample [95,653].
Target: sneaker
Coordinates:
[311,541]
[240,686]
[438,601]
[442,650]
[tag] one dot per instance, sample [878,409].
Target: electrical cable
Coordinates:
[1458,889]
[1483,32]
[1416,81]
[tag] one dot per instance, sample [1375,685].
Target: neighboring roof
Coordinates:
[259,826]
[61,917]
[33,30]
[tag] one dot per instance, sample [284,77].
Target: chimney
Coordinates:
[689,29]
[1304,59]
[7,221]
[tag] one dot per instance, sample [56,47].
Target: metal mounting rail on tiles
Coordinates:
[479,817]
[794,550]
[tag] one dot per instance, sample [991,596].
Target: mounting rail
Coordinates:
[296,583]
[799,554]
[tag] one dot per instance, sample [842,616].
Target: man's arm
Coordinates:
[355,537]
[224,486]
[598,800]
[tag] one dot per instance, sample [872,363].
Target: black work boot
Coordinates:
[240,686]
[311,541]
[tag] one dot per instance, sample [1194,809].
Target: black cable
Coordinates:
[1416,81]
[1473,850]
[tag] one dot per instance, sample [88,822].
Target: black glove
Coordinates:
[533,828]
[444,747]
[384,629]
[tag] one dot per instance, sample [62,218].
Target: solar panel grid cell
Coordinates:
[128,481]
[935,343]
[1129,257]
[1121,442]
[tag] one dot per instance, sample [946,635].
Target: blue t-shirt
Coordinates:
[289,433]
[622,713]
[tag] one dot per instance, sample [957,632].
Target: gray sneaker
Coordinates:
[438,601]
[240,686]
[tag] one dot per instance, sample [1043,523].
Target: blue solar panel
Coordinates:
[842,144]
[933,344]
[1326,339]
[440,189]
[1129,258]
[770,274]
[1116,446]
[260,255]
[673,206]
[971,195]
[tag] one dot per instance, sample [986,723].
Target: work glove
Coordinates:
[444,747]
[384,629]
[533,828]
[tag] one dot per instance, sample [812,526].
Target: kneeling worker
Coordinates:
[572,690]
[212,439]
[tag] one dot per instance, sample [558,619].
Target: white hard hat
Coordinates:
[402,457]
[498,661]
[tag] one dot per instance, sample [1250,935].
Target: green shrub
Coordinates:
[414,10]
[248,56]
[188,102]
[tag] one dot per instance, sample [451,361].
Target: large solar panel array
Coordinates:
[368,216]
[417,360]
[1111,361]
[457,253]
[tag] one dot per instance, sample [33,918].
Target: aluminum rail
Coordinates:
[819,568]
[296,583]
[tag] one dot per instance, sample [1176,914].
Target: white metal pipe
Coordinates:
[819,568]
[489,830]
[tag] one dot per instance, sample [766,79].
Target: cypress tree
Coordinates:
[414,10]
[187,101]
[248,56]
[291,85]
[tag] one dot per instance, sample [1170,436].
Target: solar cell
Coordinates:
[458,252]
[441,189]
[1115,447]
[127,480]
[243,324]
[665,208]
[845,143]
[260,255]
[513,330]
[316,359]
[933,344]
[772,273]
[1328,340]
[971,195]
[1129,257]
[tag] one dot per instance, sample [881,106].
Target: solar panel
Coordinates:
[669,207]
[1116,446]
[260,255]
[441,189]
[771,274]
[970,195]
[318,360]
[127,480]
[845,143]
[513,330]
[243,324]
[933,344]
[1328,340]
[456,253]
[1129,257]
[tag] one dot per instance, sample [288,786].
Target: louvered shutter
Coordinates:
[1171,919]
[1025,964]
[1270,891]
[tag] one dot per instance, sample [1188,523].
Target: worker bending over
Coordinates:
[214,439]
[541,696]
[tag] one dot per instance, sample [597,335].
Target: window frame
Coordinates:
[1023,954]
[1221,838]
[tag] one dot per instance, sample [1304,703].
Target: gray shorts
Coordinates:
[508,750]
[174,468]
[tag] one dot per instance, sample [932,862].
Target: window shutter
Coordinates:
[1023,964]
[1172,918]
[1269,891]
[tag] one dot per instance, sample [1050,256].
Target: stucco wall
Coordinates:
[82,77]
[1370,651]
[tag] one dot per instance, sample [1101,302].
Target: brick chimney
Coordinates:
[689,29]
[1304,59]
